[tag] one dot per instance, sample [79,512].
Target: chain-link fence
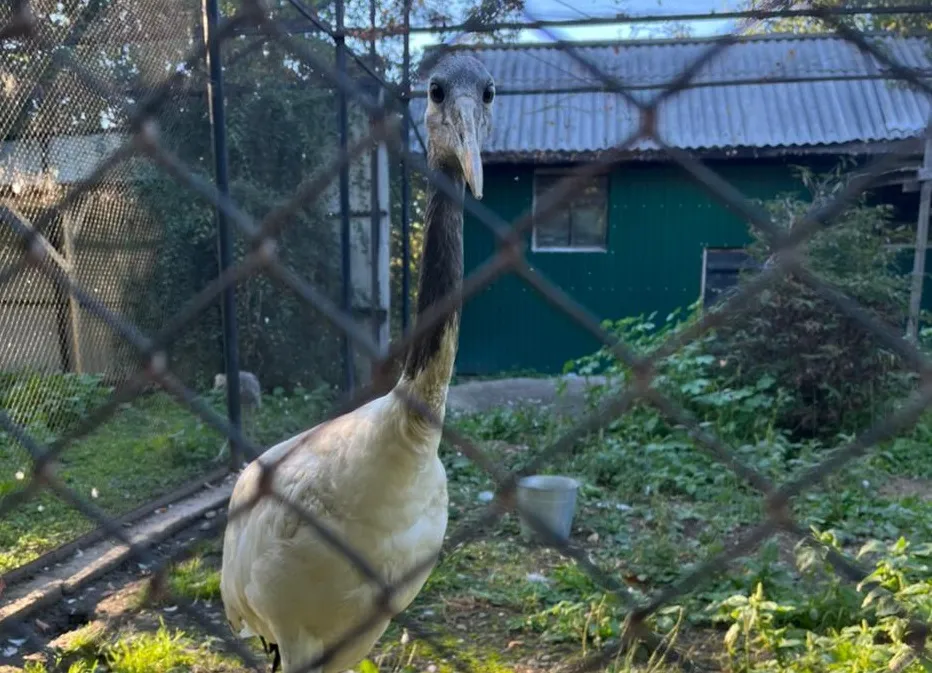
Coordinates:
[141,245]
[46,251]
[61,360]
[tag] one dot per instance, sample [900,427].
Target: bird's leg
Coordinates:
[276,658]
[272,649]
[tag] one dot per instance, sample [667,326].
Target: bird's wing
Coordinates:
[247,533]
[287,584]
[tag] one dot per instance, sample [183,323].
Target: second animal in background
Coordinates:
[250,398]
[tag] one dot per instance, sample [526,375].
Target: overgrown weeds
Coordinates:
[653,505]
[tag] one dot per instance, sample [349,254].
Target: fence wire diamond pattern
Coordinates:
[263,258]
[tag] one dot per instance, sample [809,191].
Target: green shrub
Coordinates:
[279,134]
[792,362]
[837,374]
[693,376]
[50,402]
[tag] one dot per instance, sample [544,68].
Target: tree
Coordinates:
[281,126]
[281,129]
[864,22]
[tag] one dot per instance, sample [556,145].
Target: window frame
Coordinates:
[585,249]
[706,249]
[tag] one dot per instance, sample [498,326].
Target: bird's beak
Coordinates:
[468,151]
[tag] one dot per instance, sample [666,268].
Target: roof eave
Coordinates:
[912,146]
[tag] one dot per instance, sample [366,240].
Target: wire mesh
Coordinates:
[46,262]
[100,224]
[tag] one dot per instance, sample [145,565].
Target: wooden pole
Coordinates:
[922,241]
[74,308]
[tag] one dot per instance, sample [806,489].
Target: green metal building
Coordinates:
[646,236]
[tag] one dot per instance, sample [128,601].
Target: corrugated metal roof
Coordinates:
[550,104]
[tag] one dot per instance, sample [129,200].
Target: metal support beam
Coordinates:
[922,242]
[76,347]
[375,214]
[406,173]
[211,20]
[349,372]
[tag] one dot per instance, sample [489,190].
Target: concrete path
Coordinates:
[476,396]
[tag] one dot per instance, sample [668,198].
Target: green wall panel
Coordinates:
[660,220]
[905,259]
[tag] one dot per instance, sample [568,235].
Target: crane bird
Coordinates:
[373,475]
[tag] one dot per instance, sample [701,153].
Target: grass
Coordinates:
[160,650]
[652,507]
[647,515]
[148,449]
[196,580]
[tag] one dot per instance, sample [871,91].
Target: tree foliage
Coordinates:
[892,22]
[836,373]
[281,129]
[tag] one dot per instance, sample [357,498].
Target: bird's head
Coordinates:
[460,92]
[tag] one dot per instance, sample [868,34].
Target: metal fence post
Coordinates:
[224,237]
[349,374]
[922,240]
[375,208]
[406,172]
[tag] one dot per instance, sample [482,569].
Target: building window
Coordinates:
[721,271]
[580,224]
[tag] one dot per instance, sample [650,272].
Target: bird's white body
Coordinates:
[372,477]
[375,480]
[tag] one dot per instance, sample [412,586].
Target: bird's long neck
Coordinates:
[429,365]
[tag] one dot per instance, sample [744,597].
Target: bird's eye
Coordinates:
[488,95]
[436,93]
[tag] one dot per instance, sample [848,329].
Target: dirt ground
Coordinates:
[113,607]
[108,603]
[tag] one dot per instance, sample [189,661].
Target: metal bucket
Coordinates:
[551,500]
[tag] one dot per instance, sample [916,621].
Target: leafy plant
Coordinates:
[836,373]
[693,375]
[54,402]
[754,629]
[766,635]
[793,362]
